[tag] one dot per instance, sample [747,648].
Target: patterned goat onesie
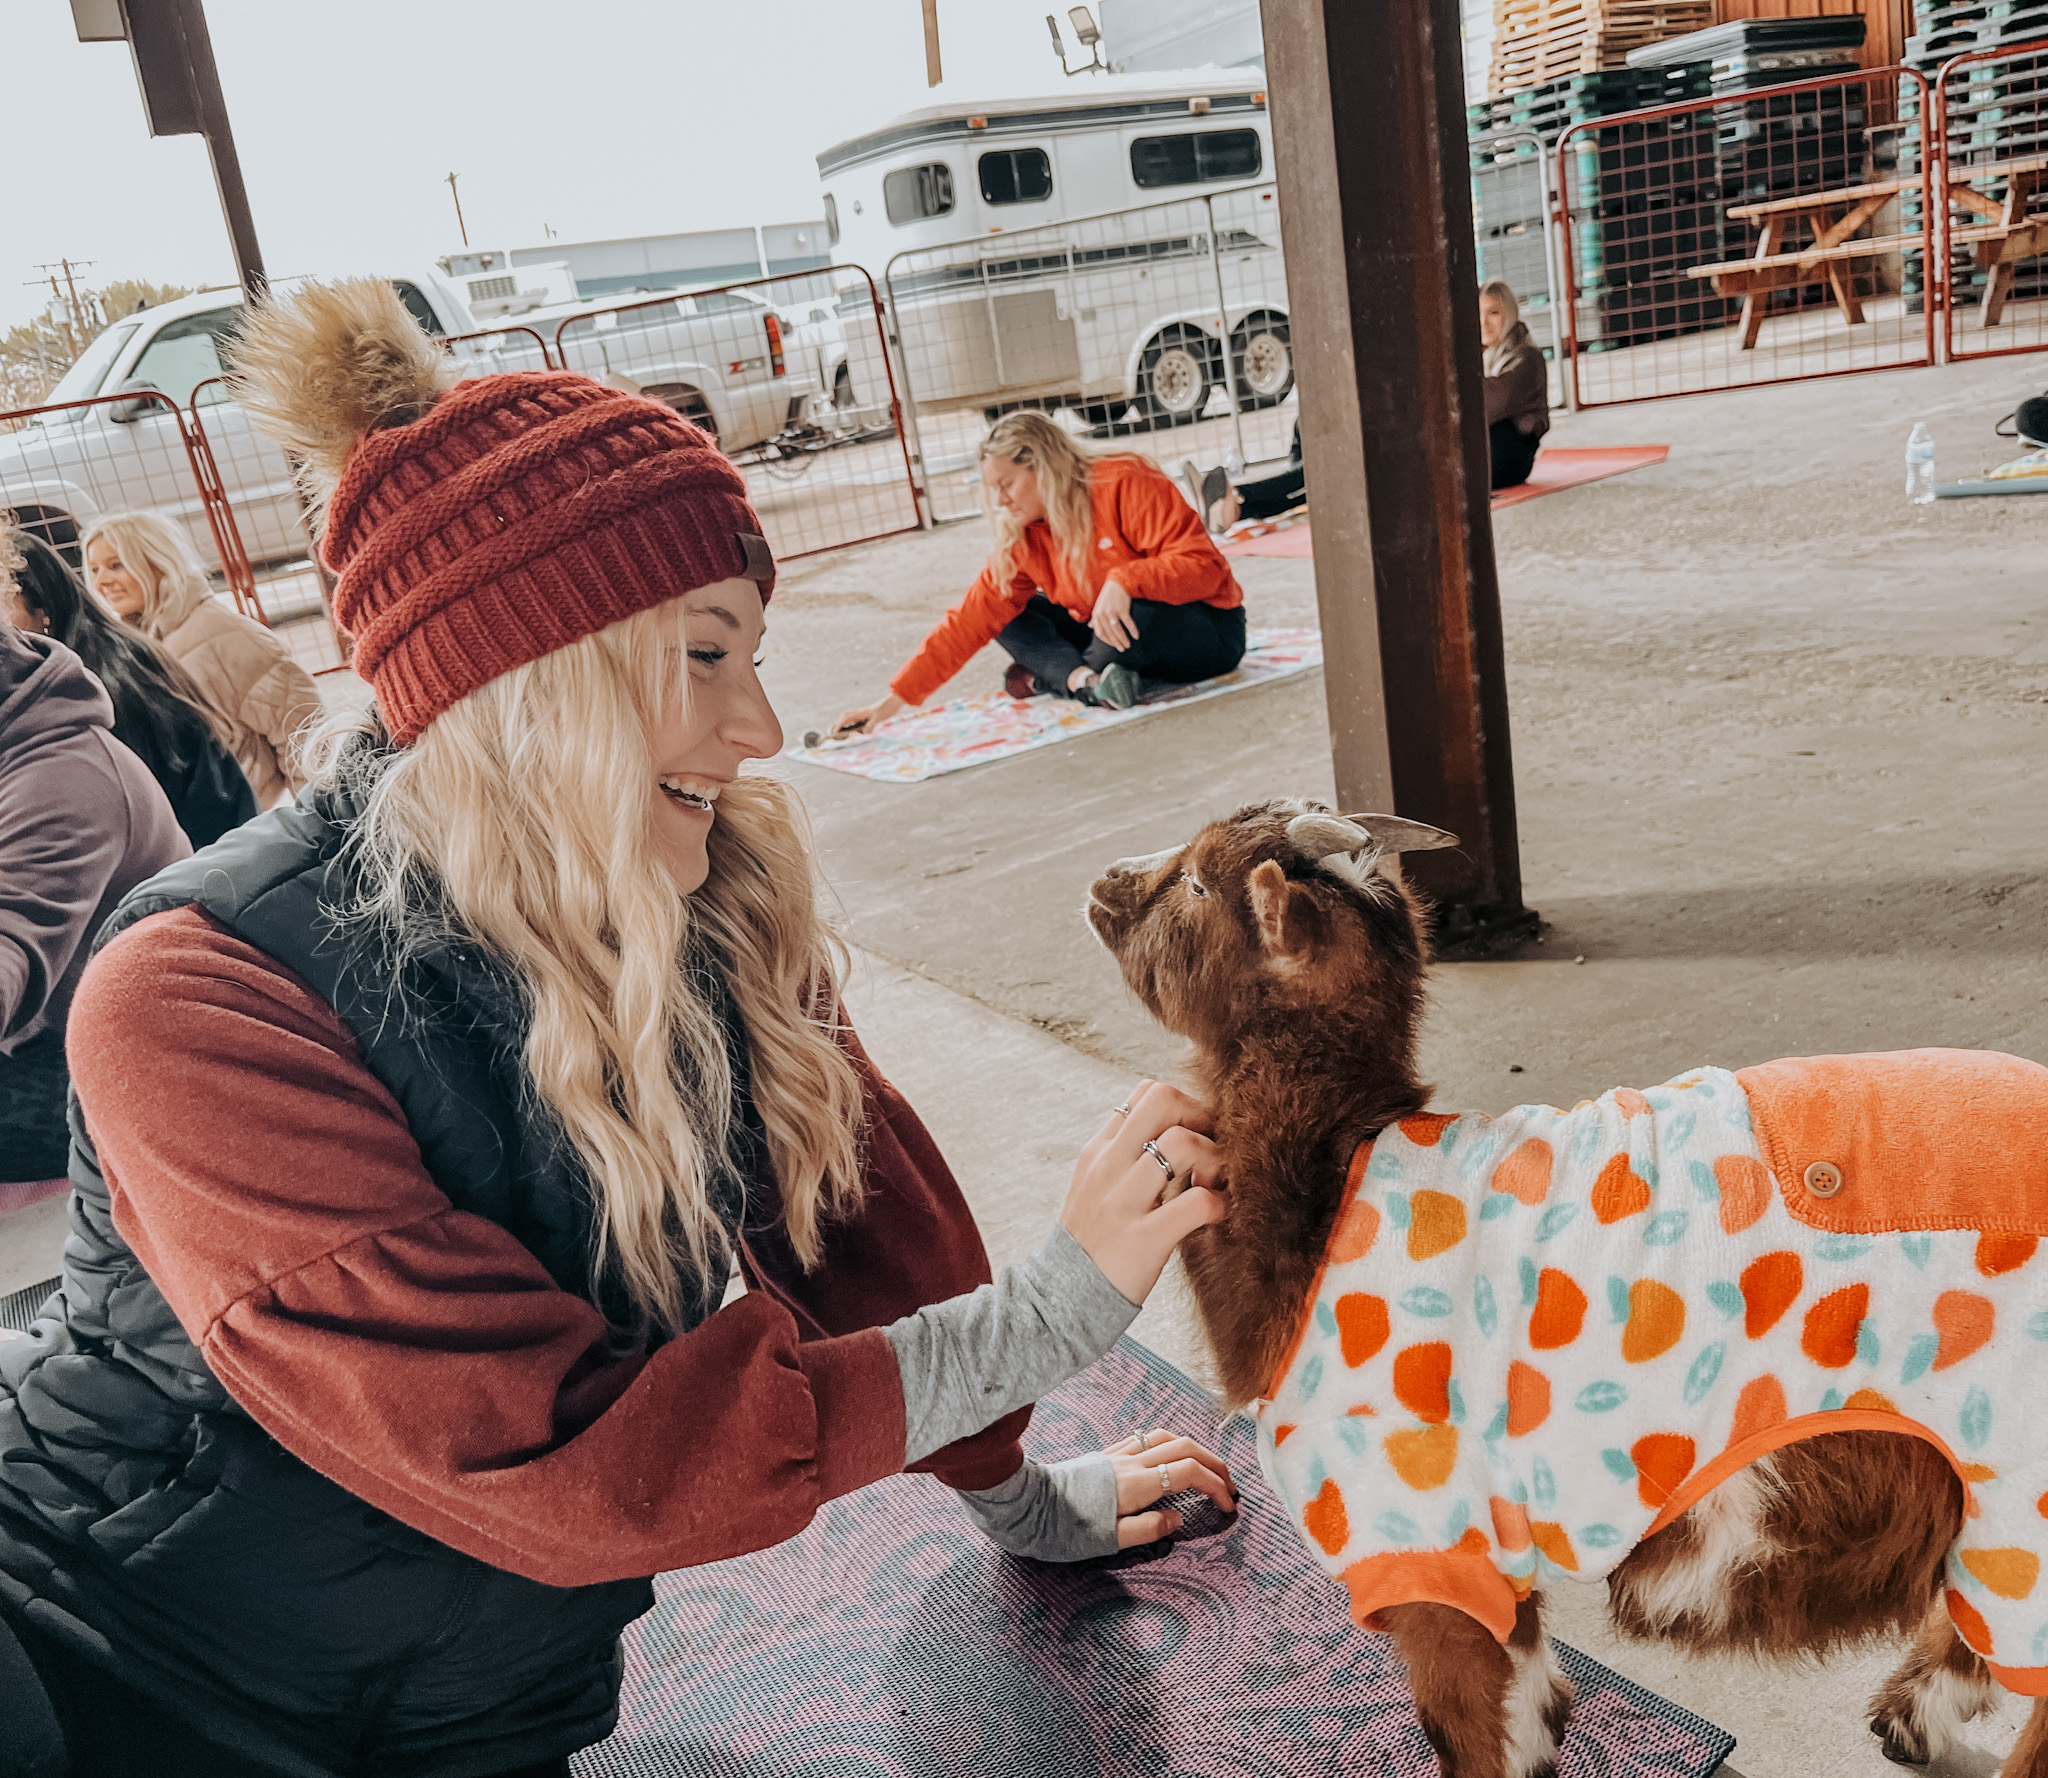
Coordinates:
[1538,1338]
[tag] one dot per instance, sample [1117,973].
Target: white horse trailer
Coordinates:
[1113,248]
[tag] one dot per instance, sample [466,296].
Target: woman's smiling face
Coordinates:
[698,743]
[118,585]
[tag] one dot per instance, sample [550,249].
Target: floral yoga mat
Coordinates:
[892,1640]
[923,744]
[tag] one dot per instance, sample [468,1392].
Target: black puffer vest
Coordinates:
[142,1512]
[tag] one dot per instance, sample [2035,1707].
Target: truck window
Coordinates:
[1015,176]
[185,353]
[418,307]
[1198,157]
[912,194]
[85,377]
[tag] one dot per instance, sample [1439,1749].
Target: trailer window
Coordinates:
[911,194]
[1197,158]
[832,219]
[1016,176]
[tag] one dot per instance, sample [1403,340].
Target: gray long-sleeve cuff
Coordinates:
[1059,1512]
[967,1361]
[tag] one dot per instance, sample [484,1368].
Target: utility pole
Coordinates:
[78,325]
[932,76]
[457,196]
[181,96]
[1368,115]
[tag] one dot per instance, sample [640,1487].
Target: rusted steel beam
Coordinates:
[1376,208]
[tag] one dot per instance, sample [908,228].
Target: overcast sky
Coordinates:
[599,118]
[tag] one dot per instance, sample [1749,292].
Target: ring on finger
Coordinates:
[1123,1110]
[1165,1480]
[1165,1166]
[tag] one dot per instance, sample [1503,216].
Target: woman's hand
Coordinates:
[1111,618]
[859,722]
[1141,1516]
[1114,1207]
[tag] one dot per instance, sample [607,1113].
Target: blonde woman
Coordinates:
[1517,386]
[427,1119]
[1102,578]
[144,570]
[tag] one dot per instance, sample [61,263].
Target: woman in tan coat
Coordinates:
[143,570]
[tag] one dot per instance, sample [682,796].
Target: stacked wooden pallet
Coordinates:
[1535,41]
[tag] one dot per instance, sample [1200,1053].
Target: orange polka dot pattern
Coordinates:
[1533,1331]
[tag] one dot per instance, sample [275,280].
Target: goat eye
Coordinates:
[1195,887]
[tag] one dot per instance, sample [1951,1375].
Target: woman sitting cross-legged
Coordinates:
[422,1125]
[1101,578]
[1517,386]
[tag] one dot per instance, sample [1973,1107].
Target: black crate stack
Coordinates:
[1997,111]
[1641,194]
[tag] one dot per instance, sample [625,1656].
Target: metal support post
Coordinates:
[1369,136]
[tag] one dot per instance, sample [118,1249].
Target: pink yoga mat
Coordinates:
[1555,468]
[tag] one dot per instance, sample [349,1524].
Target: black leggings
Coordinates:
[1514,453]
[1176,643]
[1271,495]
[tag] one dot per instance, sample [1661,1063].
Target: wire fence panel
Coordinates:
[1764,236]
[791,376]
[65,465]
[1164,328]
[1991,128]
[1511,219]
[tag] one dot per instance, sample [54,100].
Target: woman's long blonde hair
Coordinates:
[520,820]
[159,555]
[1032,441]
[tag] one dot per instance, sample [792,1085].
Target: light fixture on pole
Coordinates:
[1088,33]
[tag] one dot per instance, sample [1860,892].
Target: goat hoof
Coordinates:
[1896,1749]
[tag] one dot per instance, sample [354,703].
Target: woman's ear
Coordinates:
[1287,916]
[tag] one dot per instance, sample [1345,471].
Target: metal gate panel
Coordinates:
[1991,135]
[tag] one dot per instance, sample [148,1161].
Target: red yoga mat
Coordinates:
[1556,468]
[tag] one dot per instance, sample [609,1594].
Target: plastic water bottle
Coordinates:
[1920,464]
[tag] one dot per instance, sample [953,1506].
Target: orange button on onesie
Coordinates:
[1539,1337]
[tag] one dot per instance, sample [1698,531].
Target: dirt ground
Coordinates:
[1779,742]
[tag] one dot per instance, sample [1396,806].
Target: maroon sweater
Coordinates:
[422,1358]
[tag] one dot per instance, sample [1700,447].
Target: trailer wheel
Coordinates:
[688,401]
[55,527]
[1175,377]
[1262,361]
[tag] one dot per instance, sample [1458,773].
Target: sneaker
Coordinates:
[1191,479]
[1215,485]
[1018,682]
[1118,688]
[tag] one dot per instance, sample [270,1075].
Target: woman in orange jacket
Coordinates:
[1102,578]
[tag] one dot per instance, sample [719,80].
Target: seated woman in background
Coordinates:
[1222,502]
[81,823]
[143,570]
[159,714]
[1517,386]
[1101,579]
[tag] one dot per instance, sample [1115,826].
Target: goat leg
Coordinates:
[1940,1686]
[1489,1711]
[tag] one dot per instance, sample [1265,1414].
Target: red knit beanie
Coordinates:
[520,513]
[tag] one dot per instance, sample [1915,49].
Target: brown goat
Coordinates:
[1282,944]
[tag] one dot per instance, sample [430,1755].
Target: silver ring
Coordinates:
[1123,1110]
[1165,1166]
[1165,1481]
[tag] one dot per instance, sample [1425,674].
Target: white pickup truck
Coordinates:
[717,357]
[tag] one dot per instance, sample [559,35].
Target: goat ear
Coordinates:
[1285,913]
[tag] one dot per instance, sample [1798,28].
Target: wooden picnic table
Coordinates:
[2007,236]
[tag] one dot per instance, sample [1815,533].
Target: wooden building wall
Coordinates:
[1888,22]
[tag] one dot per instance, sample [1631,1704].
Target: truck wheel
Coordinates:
[1262,361]
[1175,377]
[687,401]
[56,528]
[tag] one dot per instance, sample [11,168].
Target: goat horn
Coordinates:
[1323,836]
[1392,834]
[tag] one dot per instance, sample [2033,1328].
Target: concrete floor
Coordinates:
[1779,741]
